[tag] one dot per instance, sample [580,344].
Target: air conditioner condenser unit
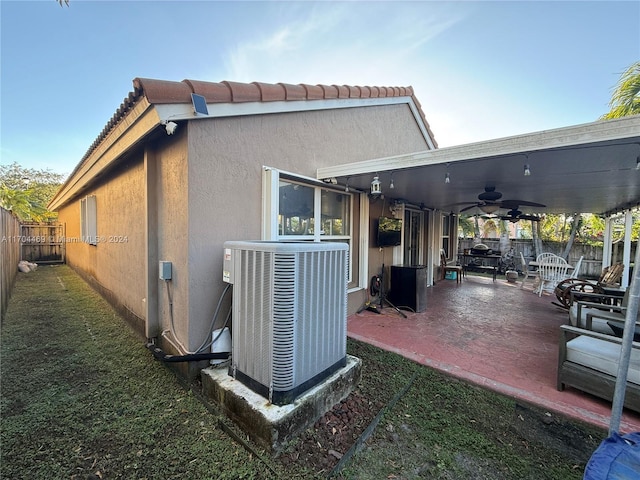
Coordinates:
[289,314]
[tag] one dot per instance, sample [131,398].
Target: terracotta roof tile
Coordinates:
[314,92]
[168,92]
[270,92]
[213,92]
[296,92]
[343,91]
[163,91]
[330,91]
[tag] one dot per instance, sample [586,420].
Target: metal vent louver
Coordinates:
[289,312]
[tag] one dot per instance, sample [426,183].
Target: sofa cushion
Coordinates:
[602,356]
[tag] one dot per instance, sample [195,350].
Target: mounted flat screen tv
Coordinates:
[389,232]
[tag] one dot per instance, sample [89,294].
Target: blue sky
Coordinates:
[480,69]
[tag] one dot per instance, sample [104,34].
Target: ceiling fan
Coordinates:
[489,202]
[515,215]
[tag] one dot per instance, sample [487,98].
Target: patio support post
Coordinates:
[607,240]
[626,253]
[625,351]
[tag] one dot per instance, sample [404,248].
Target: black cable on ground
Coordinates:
[160,354]
[355,448]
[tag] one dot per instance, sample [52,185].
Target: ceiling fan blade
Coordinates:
[469,207]
[514,204]
[460,203]
[533,218]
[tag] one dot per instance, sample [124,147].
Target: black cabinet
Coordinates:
[409,287]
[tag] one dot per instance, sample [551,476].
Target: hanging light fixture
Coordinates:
[447,178]
[527,170]
[391,185]
[376,188]
[346,187]
[489,209]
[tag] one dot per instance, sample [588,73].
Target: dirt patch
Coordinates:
[323,445]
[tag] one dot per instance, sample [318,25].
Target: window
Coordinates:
[88,220]
[446,235]
[307,210]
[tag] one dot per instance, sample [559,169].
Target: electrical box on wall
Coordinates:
[165,270]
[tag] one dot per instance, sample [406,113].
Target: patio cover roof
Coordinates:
[589,168]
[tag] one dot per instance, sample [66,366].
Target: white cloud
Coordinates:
[351,43]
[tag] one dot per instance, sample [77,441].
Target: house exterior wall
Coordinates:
[172,234]
[226,157]
[115,265]
[180,197]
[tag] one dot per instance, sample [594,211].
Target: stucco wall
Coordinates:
[172,184]
[225,174]
[116,263]
[205,188]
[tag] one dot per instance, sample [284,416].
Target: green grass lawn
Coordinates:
[83,398]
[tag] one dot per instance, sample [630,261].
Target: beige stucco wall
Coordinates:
[205,186]
[116,263]
[225,174]
[172,235]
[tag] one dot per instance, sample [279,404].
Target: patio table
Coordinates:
[465,258]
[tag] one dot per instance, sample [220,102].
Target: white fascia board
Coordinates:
[123,136]
[177,112]
[601,131]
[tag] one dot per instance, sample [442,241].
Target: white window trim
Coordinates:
[89,220]
[271,206]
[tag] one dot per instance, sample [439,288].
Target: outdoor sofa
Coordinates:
[588,361]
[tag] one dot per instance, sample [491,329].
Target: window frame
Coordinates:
[446,235]
[89,220]
[271,211]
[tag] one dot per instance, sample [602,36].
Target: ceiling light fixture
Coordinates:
[447,177]
[346,187]
[376,188]
[391,185]
[489,208]
[527,170]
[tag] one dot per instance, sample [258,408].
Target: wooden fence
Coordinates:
[592,255]
[43,242]
[9,256]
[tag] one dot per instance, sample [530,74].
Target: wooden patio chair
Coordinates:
[444,268]
[572,289]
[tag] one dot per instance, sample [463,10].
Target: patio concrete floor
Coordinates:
[493,334]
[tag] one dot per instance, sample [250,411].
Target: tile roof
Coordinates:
[171,92]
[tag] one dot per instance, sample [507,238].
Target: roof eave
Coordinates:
[135,125]
[600,131]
